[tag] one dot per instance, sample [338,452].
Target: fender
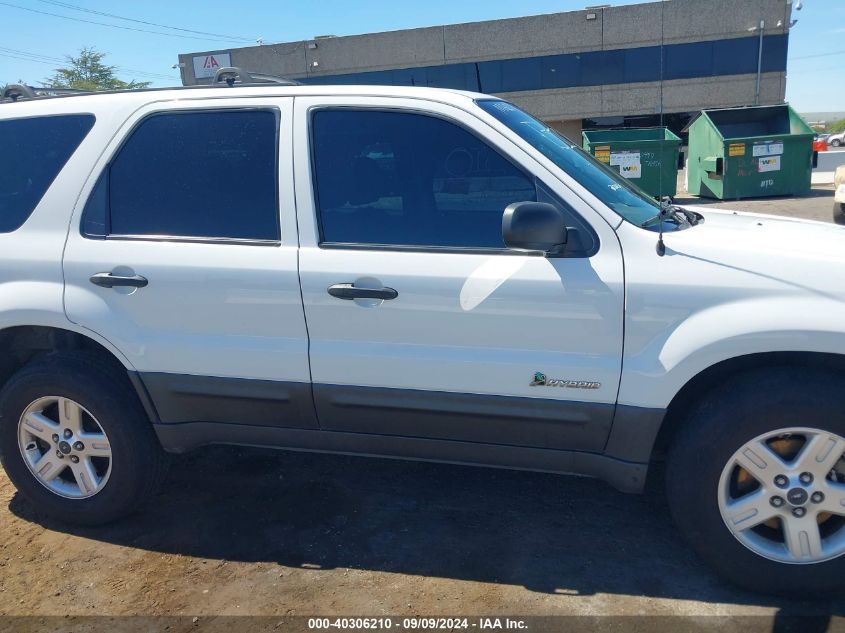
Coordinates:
[39,304]
[653,374]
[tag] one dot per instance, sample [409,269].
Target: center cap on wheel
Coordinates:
[797,496]
[64,447]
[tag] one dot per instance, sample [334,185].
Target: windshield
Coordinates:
[617,192]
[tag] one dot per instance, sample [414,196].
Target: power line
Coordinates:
[820,55]
[46,59]
[74,7]
[114,26]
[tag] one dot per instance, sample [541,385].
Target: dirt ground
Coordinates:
[247,531]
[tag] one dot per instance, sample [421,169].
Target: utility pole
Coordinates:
[759,63]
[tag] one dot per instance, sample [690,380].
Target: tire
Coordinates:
[836,142]
[726,420]
[118,484]
[839,213]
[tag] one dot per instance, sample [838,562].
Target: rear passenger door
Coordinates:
[421,322]
[183,253]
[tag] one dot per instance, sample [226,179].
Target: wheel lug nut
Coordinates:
[798,512]
[68,433]
[781,481]
[817,497]
[59,455]
[776,501]
[56,438]
[805,478]
[78,446]
[74,459]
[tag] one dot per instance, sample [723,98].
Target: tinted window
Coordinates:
[408,179]
[195,174]
[32,153]
[615,191]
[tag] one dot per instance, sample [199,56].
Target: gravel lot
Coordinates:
[247,531]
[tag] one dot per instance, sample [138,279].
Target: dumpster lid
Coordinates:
[630,134]
[753,121]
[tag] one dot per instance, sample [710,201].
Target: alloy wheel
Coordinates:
[64,447]
[782,495]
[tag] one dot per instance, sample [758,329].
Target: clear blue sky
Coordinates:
[816,51]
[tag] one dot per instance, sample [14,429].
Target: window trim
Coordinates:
[192,239]
[415,248]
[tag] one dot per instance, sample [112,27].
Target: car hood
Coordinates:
[801,253]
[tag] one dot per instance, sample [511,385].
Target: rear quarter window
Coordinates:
[32,153]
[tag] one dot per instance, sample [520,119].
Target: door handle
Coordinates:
[348,291]
[107,280]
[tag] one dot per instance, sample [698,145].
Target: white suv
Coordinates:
[416,273]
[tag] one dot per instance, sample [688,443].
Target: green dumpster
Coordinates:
[647,156]
[749,152]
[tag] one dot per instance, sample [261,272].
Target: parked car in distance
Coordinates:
[411,273]
[839,195]
[836,140]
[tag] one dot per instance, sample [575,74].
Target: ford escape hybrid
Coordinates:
[419,273]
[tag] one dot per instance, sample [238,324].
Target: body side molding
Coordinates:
[622,475]
[181,398]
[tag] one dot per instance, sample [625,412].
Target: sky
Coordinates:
[34,43]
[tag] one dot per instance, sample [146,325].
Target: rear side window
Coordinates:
[209,174]
[32,153]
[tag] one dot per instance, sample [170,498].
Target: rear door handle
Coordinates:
[348,291]
[107,280]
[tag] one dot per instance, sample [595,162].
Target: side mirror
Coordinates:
[534,226]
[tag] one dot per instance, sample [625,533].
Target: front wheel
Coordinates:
[836,142]
[74,439]
[756,482]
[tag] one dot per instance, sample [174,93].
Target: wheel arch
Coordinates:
[709,379]
[21,344]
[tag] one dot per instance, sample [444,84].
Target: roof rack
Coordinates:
[16,92]
[232,75]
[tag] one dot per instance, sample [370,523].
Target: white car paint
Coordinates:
[562,317]
[228,310]
[734,285]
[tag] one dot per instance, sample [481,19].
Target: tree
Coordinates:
[88,72]
[836,127]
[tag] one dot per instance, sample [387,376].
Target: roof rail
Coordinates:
[17,92]
[232,75]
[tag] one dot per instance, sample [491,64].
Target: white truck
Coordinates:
[417,273]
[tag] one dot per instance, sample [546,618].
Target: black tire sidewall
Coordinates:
[115,409]
[728,418]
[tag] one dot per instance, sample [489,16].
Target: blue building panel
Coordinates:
[715,58]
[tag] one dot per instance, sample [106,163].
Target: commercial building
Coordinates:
[636,65]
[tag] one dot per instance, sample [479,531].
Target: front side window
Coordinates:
[197,174]
[616,192]
[407,179]
[32,153]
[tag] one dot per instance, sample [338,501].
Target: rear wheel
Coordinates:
[756,482]
[836,142]
[75,441]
